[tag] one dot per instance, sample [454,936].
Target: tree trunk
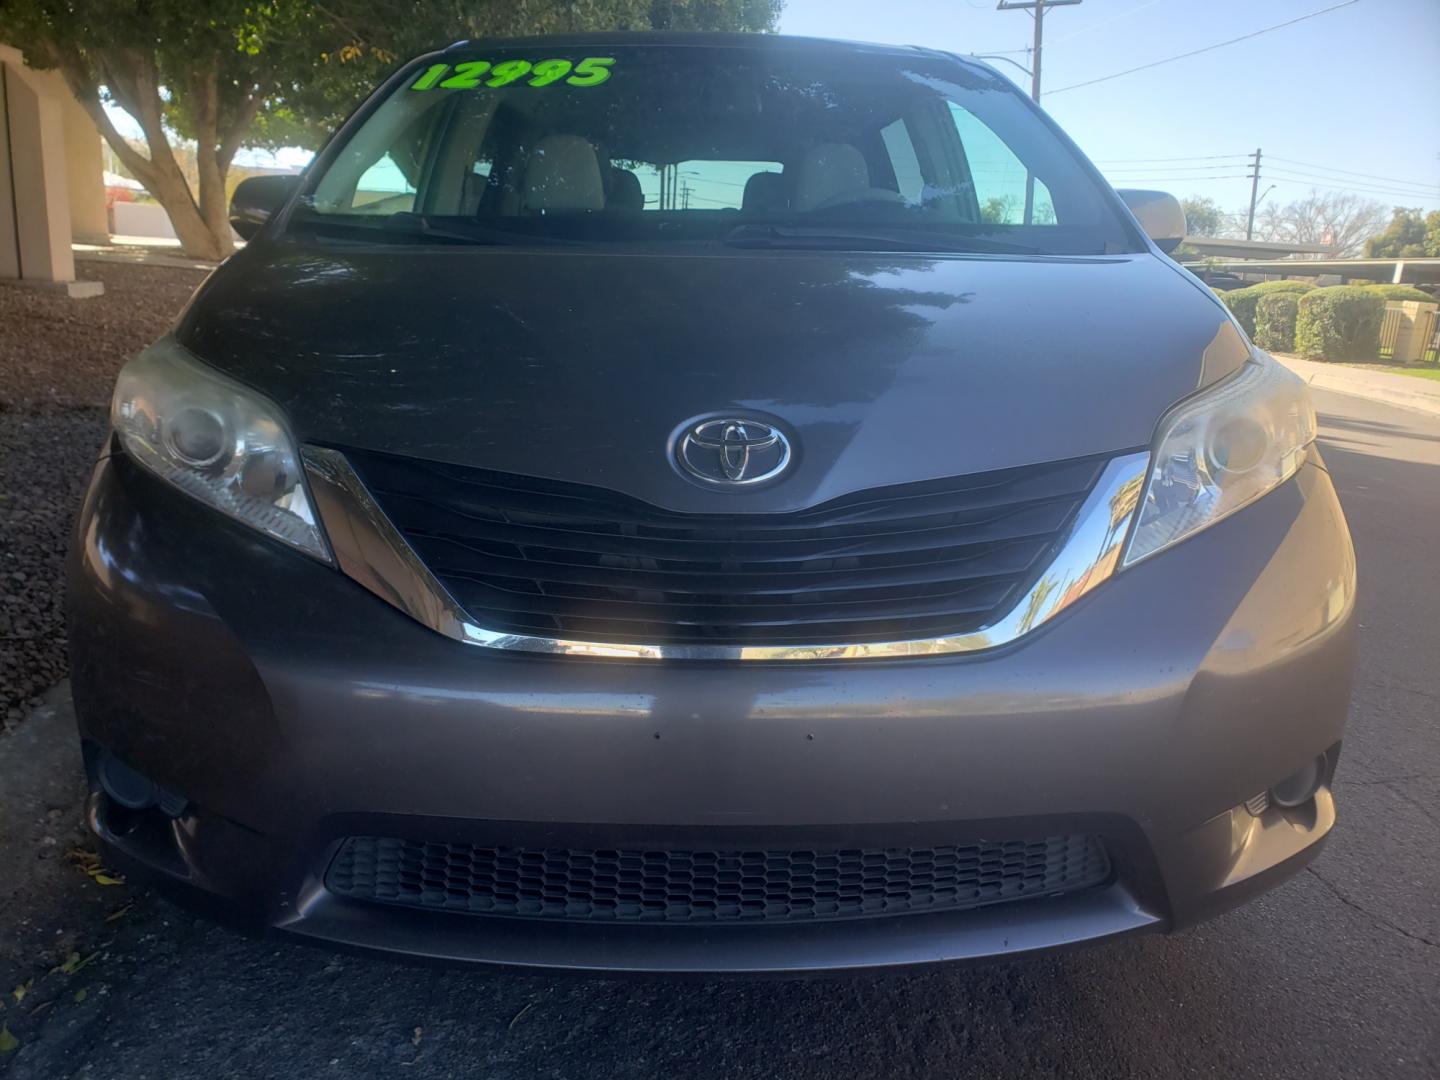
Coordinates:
[199,238]
[213,208]
[201,235]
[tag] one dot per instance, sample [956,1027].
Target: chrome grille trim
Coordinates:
[371,550]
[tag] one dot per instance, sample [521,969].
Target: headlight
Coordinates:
[216,441]
[1221,450]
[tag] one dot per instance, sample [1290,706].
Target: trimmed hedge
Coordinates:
[1402,292]
[1275,321]
[1297,287]
[1242,302]
[1339,323]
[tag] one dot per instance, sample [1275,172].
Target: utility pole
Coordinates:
[1037,9]
[1254,194]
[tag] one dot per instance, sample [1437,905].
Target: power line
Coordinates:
[1172,179]
[1037,9]
[1330,185]
[1177,164]
[1182,168]
[1136,161]
[1207,48]
[1106,22]
[1078,33]
[1367,176]
[1272,174]
[1297,174]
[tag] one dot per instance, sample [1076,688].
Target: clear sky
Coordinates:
[1353,91]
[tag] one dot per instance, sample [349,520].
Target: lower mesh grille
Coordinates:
[711,886]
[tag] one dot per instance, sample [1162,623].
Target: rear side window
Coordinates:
[647,144]
[688,185]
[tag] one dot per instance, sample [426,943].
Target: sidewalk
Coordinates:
[143,250]
[1422,395]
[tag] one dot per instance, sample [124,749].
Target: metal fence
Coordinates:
[1427,326]
[1390,330]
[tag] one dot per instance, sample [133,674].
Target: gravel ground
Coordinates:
[58,359]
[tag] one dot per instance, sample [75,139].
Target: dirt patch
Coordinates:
[58,359]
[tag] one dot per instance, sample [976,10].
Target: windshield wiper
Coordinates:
[847,238]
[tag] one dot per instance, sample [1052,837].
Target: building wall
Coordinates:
[143,219]
[51,182]
[39,196]
[84,172]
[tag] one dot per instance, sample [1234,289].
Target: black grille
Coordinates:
[711,886]
[527,556]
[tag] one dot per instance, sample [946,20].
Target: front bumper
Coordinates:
[292,709]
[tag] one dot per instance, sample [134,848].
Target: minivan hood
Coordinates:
[580,365]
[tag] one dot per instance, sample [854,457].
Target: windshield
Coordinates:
[773,143]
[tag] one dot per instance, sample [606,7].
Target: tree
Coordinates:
[1338,221]
[177,69]
[1203,217]
[1408,236]
[225,73]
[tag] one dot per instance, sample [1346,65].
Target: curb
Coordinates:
[1376,386]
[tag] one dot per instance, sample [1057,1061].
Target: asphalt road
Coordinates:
[1337,974]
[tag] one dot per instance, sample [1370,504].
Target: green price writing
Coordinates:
[473,74]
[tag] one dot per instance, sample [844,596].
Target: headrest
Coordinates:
[625,191]
[827,170]
[765,192]
[563,174]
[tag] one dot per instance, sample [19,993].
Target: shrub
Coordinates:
[1401,292]
[1242,302]
[1339,323]
[1297,287]
[1275,321]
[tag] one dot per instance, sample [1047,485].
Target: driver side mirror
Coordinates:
[1159,214]
[255,201]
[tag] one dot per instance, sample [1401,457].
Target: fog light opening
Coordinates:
[134,790]
[1300,787]
[126,786]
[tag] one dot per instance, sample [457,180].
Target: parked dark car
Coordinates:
[708,503]
[1218,279]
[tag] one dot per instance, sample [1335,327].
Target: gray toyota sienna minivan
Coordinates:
[708,503]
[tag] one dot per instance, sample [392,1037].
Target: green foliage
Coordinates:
[1203,216]
[1401,292]
[385,32]
[1408,236]
[1275,321]
[1339,323]
[1242,302]
[227,73]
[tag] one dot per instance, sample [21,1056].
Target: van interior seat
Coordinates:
[765,193]
[828,170]
[625,191]
[563,173]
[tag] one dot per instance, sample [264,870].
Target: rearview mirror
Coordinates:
[256,199]
[1160,215]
